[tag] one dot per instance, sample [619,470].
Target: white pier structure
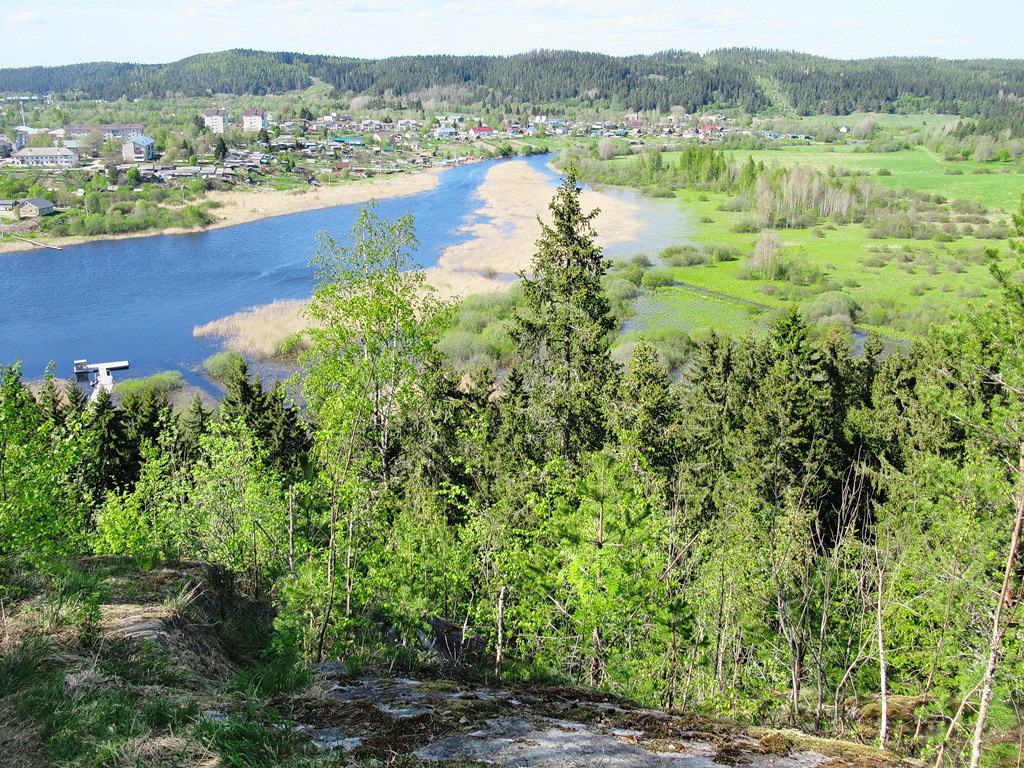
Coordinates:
[98,375]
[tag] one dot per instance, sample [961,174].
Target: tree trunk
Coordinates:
[291,531]
[1007,602]
[883,723]
[499,645]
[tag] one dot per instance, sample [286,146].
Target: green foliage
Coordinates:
[222,364]
[165,382]
[42,510]
[373,334]
[767,532]
[562,331]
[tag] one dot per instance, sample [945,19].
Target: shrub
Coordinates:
[875,316]
[745,226]
[725,253]
[734,204]
[918,289]
[683,256]
[164,382]
[657,278]
[832,307]
[619,289]
[222,364]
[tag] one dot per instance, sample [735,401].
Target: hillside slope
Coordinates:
[103,665]
[747,79]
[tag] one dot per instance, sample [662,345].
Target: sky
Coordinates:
[144,31]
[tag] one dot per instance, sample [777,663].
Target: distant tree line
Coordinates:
[746,79]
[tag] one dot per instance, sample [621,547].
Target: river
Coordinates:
[138,299]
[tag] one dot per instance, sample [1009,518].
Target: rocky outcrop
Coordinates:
[447,721]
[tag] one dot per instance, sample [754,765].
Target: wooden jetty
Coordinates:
[33,242]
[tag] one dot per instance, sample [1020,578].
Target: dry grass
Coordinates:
[258,332]
[19,743]
[161,751]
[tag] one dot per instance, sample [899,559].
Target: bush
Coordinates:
[918,289]
[657,278]
[683,256]
[619,289]
[832,307]
[734,204]
[745,226]
[634,273]
[460,346]
[222,364]
[725,253]
[164,382]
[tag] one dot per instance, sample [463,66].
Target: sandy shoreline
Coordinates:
[502,243]
[514,195]
[244,206]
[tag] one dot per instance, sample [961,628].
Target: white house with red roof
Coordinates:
[254,120]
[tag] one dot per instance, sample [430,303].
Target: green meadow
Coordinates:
[993,184]
[683,308]
[900,286]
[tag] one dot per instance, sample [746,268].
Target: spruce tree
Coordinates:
[562,331]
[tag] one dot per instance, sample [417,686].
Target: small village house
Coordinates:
[34,207]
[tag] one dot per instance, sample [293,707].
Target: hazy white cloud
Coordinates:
[24,17]
[207,9]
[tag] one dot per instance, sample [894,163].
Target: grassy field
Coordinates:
[897,287]
[696,312]
[994,185]
[900,286]
[890,124]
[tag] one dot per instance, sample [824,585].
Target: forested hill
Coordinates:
[752,80]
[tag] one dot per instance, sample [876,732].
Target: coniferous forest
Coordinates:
[750,80]
[789,530]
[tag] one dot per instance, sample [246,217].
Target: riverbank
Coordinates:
[501,244]
[244,206]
